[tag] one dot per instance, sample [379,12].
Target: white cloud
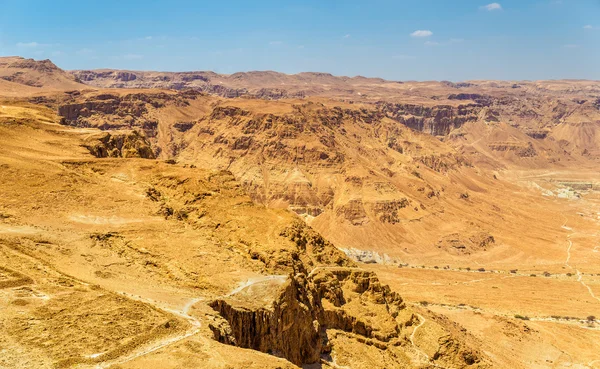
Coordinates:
[589,26]
[148,37]
[28,44]
[33,45]
[421,33]
[132,56]
[347,36]
[491,7]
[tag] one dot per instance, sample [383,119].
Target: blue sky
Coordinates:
[458,40]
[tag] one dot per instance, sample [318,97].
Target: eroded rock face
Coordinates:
[289,328]
[466,244]
[523,150]
[115,111]
[294,325]
[437,120]
[119,145]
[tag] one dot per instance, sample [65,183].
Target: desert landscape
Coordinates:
[271,220]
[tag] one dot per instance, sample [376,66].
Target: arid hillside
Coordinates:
[37,74]
[247,220]
[131,261]
[353,170]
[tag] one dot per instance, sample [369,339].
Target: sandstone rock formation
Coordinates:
[119,144]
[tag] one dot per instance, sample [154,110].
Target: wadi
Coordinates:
[271,220]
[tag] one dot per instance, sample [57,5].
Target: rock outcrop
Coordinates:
[119,145]
[523,150]
[436,120]
[288,327]
[299,320]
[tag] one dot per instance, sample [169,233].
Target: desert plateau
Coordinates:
[261,219]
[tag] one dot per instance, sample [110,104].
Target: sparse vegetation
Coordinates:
[522,317]
[416,174]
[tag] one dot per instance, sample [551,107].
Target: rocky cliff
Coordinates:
[308,313]
[119,144]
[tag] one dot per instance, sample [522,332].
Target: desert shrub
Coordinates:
[522,317]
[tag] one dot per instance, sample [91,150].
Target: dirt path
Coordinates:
[580,280]
[184,313]
[421,354]
[579,275]
[161,343]
[253,281]
[412,338]
[316,269]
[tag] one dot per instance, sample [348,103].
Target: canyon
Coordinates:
[267,220]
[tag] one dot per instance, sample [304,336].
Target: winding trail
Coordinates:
[184,313]
[579,274]
[161,343]
[580,280]
[412,337]
[569,252]
[421,353]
